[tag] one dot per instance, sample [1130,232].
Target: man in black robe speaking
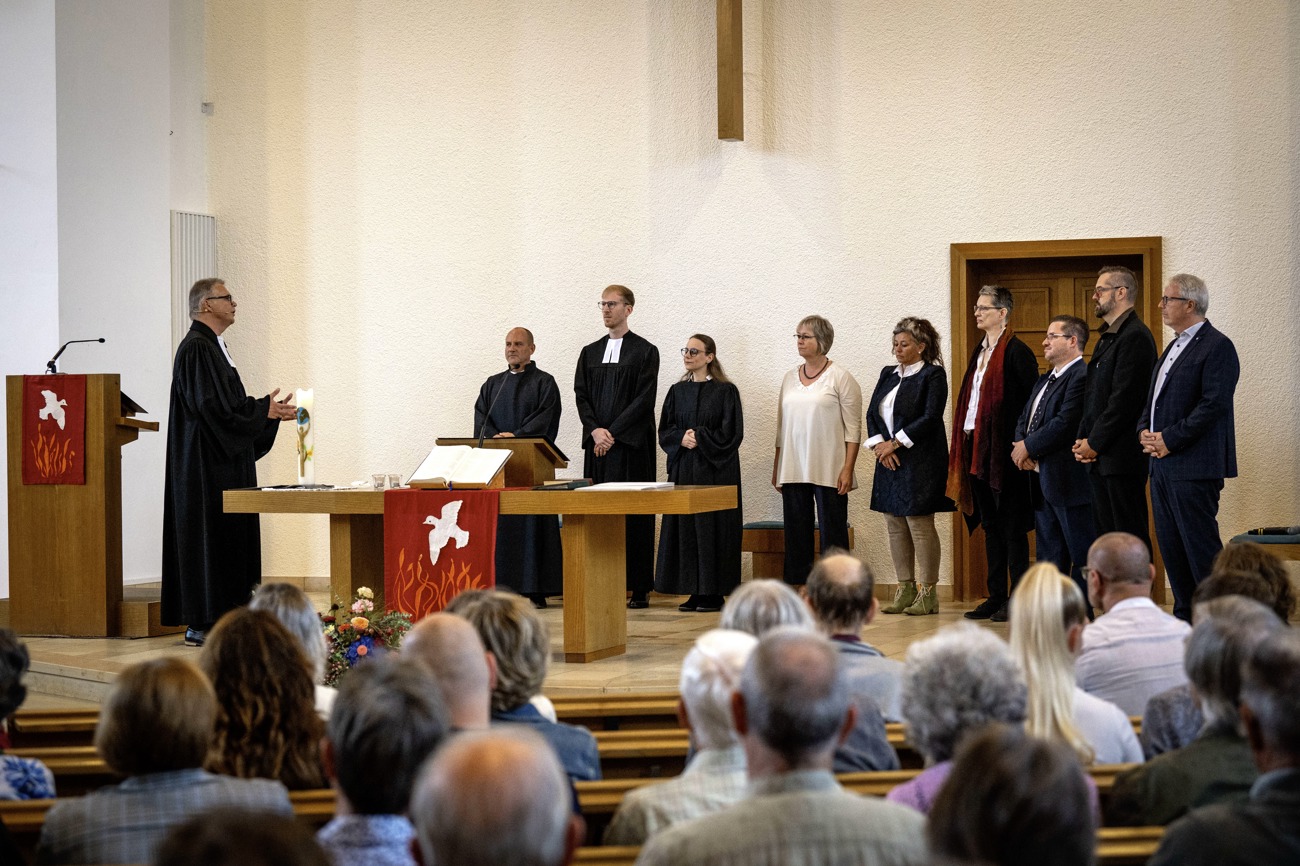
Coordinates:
[523,401]
[615,386]
[215,433]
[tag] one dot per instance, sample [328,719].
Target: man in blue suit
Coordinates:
[1187,428]
[1045,435]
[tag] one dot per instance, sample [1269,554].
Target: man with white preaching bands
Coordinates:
[523,401]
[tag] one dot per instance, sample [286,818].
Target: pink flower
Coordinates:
[362,649]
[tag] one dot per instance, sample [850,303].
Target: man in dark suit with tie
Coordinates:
[1119,379]
[1187,428]
[1044,437]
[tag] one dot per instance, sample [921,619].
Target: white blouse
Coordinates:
[813,423]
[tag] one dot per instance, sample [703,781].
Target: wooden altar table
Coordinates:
[595,614]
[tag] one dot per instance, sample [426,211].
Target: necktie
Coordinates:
[1042,405]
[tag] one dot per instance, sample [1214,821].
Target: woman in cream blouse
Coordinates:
[819,432]
[905,432]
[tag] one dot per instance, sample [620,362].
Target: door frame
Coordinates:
[964,257]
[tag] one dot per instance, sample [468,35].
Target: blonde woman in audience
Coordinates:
[819,434]
[267,724]
[1048,615]
[294,610]
[154,729]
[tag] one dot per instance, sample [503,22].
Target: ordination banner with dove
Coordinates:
[437,543]
[54,429]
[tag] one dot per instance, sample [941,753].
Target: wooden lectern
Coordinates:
[65,540]
[533,460]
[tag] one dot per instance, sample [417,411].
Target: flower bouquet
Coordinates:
[359,633]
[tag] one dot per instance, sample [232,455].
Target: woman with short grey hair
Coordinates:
[954,684]
[294,610]
[758,606]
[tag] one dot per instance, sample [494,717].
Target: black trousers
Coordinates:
[1187,527]
[1119,504]
[797,501]
[1006,538]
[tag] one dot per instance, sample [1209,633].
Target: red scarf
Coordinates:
[988,434]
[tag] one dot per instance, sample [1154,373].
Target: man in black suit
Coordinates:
[1187,429]
[1115,391]
[1044,436]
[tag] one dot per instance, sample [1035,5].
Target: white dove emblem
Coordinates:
[445,529]
[53,408]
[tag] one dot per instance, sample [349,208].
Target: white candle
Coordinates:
[305,398]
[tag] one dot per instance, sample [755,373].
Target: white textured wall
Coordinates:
[399,183]
[29,250]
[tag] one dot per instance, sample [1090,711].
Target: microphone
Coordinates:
[51,367]
[482,428]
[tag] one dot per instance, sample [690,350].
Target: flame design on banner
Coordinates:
[54,429]
[413,582]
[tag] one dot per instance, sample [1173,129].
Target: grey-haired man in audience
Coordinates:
[715,776]
[793,707]
[494,797]
[451,649]
[387,720]
[1263,831]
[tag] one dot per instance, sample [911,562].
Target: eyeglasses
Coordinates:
[691,352]
[1057,336]
[1097,290]
[980,308]
[222,298]
[1164,301]
[804,337]
[609,305]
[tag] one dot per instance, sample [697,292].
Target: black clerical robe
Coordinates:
[529,558]
[621,398]
[699,554]
[215,433]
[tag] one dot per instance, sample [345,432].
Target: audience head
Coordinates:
[1048,614]
[491,797]
[1227,631]
[1270,695]
[294,610]
[1013,799]
[238,837]
[451,649]
[955,684]
[14,662]
[1222,584]
[794,698]
[158,717]
[266,708]
[382,728]
[710,675]
[517,638]
[1119,567]
[841,591]
[758,606]
[1257,559]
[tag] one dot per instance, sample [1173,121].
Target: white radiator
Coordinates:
[194,256]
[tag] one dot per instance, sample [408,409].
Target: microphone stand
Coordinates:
[482,428]
[52,368]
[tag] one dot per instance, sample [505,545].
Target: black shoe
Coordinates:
[709,604]
[538,600]
[1001,614]
[195,636]
[690,605]
[984,610]
[638,601]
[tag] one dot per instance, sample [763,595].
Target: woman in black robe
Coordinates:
[700,429]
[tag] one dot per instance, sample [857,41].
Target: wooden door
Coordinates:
[1046,278]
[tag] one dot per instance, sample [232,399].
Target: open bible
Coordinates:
[449,466]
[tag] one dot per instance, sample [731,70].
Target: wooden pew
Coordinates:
[1117,846]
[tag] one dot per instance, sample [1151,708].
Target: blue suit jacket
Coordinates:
[1063,480]
[1194,410]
